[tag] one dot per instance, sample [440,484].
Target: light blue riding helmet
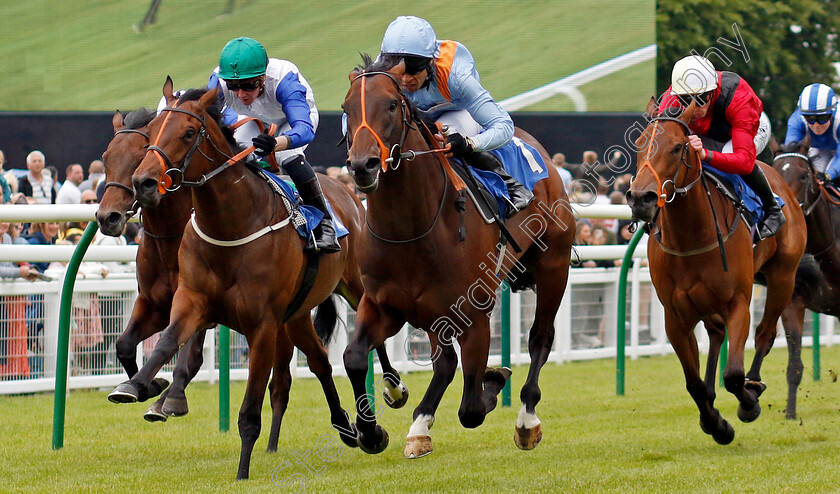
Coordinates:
[409,35]
[817,99]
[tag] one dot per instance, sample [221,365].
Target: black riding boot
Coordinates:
[774,218]
[310,191]
[520,197]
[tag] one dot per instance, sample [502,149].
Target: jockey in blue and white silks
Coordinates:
[441,79]
[816,115]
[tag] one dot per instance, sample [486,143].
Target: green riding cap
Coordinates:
[242,58]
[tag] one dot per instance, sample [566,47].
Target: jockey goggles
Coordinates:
[817,119]
[415,65]
[245,86]
[701,99]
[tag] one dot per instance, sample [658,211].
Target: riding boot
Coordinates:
[520,197]
[323,238]
[774,218]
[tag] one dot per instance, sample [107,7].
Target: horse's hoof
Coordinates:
[347,431]
[499,376]
[757,387]
[378,446]
[154,413]
[126,392]
[417,447]
[176,407]
[395,396]
[749,415]
[528,439]
[724,435]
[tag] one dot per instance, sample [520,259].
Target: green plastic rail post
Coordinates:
[59,403]
[369,384]
[224,378]
[620,333]
[506,340]
[815,324]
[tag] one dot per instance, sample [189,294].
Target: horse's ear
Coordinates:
[117,121]
[774,146]
[689,112]
[208,98]
[805,144]
[354,74]
[398,70]
[652,108]
[168,85]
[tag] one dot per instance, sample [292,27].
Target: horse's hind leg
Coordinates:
[279,386]
[302,334]
[261,349]
[551,284]
[793,319]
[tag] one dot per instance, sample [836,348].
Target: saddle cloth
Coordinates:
[310,214]
[521,161]
[741,194]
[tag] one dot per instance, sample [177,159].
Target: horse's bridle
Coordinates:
[663,194]
[394,156]
[134,207]
[807,207]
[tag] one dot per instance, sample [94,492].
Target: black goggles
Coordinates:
[817,119]
[415,65]
[700,99]
[244,86]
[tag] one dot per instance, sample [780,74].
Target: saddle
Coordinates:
[745,200]
[485,202]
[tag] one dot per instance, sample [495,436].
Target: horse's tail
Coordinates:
[325,321]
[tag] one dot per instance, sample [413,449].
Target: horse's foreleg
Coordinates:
[261,351]
[145,321]
[779,291]
[394,392]
[174,399]
[717,333]
[302,333]
[418,443]
[188,314]
[475,347]
[733,375]
[793,319]
[681,335]
[374,324]
[279,386]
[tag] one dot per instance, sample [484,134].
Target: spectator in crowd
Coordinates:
[96,172]
[559,160]
[36,183]
[333,171]
[69,192]
[4,184]
[14,361]
[132,233]
[348,182]
[43,234]
[53,172]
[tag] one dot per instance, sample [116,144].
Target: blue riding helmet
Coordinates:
[817,99]
[409,35]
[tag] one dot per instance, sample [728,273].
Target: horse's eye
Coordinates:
[189,133]
[393,106]
[677,149]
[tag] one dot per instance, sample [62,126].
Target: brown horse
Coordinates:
[248,283]
[687,266]
[819,270]
[416,269]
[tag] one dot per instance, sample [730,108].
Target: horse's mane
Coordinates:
[139,118]
[790,147]
[214,110]
[672,112]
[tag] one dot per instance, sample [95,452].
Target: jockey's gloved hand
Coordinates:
[264,143]
[460,146]
[823,177]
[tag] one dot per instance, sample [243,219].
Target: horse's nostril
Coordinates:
[372,163]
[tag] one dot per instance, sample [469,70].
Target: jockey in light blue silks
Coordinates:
[816,114]
[440,78]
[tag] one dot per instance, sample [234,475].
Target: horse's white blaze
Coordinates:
[421,426]
[526,420]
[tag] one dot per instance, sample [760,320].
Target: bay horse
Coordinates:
[819,271]
[685,251]
[247,283]
[416,269]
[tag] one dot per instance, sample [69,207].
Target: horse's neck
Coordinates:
[407,200]
[229,204]
[823,226]
[684,220]
[171,215]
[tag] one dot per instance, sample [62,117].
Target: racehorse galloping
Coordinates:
[687,269]
[416,269]
[241,262]
[819,270]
